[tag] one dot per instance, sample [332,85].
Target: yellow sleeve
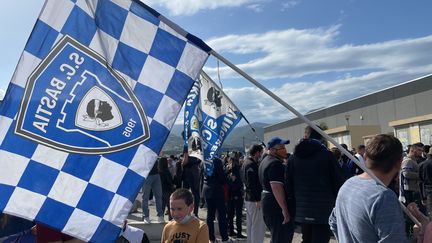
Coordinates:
[163,238]
[203,234]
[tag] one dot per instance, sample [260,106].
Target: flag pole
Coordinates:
[253,130]
[310,123]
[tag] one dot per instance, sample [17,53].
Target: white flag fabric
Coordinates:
[209,117]
[91,103]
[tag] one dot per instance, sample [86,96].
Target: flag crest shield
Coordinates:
[86,101]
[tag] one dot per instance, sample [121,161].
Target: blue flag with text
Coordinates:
[208,119]
[90,105]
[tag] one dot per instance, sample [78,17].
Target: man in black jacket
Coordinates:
[254,217]
[274,202]
[213,191]
[313,176]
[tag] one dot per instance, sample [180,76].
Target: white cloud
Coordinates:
[189,7]
[306,96]
[289,4]
[2,93]
[295,53]
[303,96]
[301,54]
[258,8]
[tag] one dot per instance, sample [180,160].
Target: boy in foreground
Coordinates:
[184,227]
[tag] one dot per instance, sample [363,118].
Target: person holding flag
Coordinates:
[191,172]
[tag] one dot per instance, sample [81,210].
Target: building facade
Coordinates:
[404,110]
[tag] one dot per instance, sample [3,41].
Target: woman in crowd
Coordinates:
[235,195]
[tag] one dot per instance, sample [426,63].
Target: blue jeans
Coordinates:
[152,182]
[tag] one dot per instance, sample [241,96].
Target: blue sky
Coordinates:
[311,53]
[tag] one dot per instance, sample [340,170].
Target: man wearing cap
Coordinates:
[314,178]
[273,198]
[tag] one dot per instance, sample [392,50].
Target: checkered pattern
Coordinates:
[88,196]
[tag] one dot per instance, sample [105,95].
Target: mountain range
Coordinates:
[238,139]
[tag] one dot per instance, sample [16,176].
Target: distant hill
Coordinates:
[177,130]
[174,143]
[235,139]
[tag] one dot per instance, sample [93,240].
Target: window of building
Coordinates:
[342,138]
[403,135]
[426,133]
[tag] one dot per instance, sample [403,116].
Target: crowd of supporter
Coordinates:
[321,192]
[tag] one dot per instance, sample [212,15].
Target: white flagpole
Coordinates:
[310,123]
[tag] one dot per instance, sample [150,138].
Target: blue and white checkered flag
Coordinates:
[91,103]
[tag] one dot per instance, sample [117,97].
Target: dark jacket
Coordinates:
[235,187]
[250,178]
[314,178]
[213,185]
[167,182]
[14,225]
[425,172]
[154,170]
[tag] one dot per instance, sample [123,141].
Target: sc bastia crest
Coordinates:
[97,111]
[76,103]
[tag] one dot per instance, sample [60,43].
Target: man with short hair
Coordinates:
[273,199]
[366,211]
[314,178]
[421,157]
[409,179]
[254,216]
[409,175]
[361,150]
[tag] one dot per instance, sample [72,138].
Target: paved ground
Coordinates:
[154,230]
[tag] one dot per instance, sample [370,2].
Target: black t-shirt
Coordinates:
[271,170]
